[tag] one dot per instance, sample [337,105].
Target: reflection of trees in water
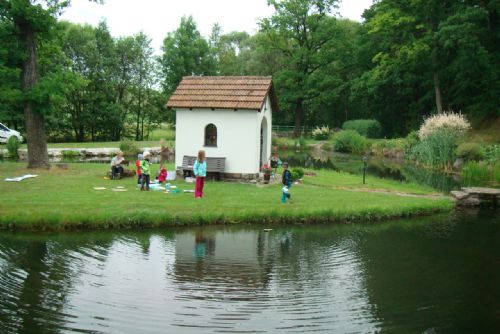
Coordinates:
[435,179]
[37,275]
[438,274]
[307,159]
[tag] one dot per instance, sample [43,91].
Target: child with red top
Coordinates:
[138,168]
[162,174]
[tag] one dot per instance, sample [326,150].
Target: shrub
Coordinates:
[70,153]
[321,133]
[129,148]
[447,121]
[13,145]
[349,141]
[470,151]
[370,128]
[297,173]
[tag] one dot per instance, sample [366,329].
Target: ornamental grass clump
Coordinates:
[444,122]
[321,133]
[439,137]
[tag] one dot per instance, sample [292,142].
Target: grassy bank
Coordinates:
[65,199]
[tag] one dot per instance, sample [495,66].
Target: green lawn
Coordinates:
[60,199]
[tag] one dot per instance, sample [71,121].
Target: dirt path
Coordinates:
[390,192]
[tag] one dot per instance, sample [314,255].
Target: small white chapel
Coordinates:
[229,117]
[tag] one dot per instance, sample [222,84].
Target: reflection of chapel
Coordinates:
[228,117]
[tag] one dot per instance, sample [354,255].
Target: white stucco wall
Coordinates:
[238,136]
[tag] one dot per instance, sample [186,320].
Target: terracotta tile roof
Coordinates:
[246,92]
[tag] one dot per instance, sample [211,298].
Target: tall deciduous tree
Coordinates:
[144,79]
[301,30]
[32,20]
[185,52]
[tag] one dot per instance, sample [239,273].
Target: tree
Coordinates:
[144,79]
[301,30]
[420,57]
[32,21]
[185,52]
[10,86]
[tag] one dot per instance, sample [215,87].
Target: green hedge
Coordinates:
[370,128]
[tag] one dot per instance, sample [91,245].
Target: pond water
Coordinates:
[431,275]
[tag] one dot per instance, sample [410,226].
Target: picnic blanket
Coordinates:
[20,178]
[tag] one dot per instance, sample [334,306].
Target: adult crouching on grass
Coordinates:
[116,166]
[200,171]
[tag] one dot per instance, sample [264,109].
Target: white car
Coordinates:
[6,133]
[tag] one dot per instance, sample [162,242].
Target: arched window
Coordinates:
[210,135]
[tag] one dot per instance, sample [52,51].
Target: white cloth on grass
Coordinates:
[20,178]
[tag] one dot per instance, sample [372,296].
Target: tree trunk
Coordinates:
[35,129]
[437,85]
[437,89]
[299,115]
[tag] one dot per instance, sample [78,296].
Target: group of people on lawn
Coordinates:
[143,169]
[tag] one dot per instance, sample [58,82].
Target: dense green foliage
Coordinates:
[349,141]
[297,174]
[370,128]
[185,52]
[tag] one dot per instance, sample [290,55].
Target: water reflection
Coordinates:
[436,274]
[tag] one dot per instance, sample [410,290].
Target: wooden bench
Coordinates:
[214,165]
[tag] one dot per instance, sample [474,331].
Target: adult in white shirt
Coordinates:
[116,167]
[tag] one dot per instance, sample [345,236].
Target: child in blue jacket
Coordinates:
[286,179]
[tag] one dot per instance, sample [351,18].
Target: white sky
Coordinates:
[158,17]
